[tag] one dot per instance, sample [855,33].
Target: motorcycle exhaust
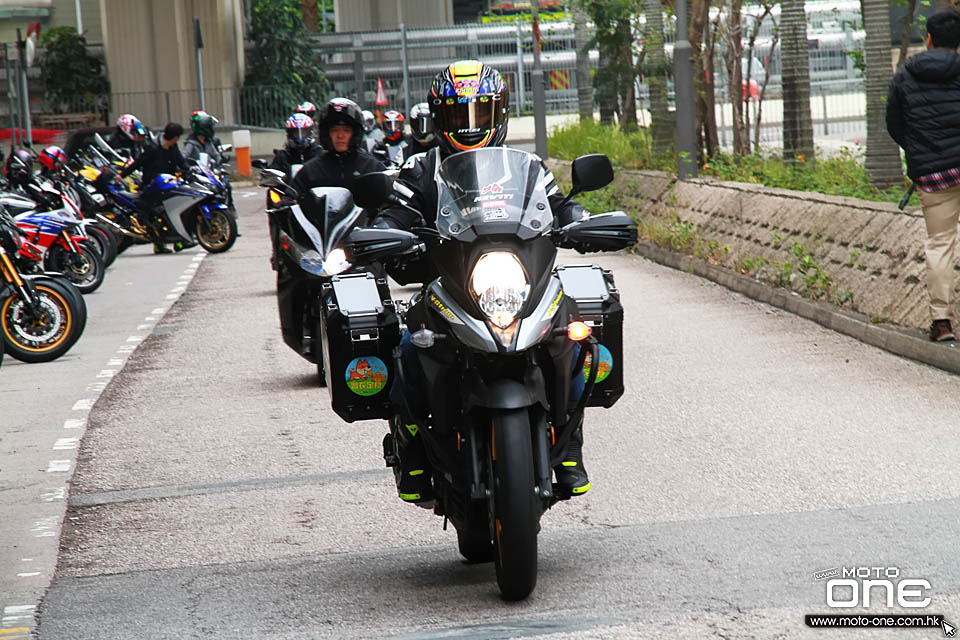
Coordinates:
[102,218]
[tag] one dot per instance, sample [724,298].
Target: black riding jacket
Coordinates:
[330,169]
[285,158]
[923,111]
[156,160]
[418,174]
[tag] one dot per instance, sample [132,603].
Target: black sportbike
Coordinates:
[503,350]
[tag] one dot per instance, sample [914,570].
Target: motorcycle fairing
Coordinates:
[471,331]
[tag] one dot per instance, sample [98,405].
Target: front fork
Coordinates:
[12,277]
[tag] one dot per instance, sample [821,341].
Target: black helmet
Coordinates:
[340,111]
[19,166]
[202,124]
[421,123]
[469,102]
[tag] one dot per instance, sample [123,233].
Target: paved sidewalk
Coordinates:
[908,343]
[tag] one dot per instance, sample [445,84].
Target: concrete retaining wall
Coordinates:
[872,250]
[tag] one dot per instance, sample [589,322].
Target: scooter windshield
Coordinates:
[492,191]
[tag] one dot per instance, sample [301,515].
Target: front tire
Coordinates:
[217,234]
[85,270]
[45,337]
[514,507]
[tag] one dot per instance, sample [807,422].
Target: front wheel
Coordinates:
[514,506]
[43,333]
[85,269]
[217,234]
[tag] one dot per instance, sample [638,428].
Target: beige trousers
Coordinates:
[941,210]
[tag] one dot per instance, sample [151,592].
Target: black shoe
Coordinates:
[161,248]
[413,473]
[571,474]
[941,331]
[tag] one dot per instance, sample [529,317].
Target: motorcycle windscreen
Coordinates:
[492,191]
[339,217]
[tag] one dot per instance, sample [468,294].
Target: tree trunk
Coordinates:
[662,125]
[584,83]
[626,80]
[308,11]
[883,154]
[905,34]
[734,55]
[605,87]
[795,62]
[701,43]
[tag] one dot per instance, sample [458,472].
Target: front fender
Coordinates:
[505,393]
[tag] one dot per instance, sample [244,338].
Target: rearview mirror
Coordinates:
[591,172]
[258,163]
[272,178]
[372,190]
[366,245]
[605,232]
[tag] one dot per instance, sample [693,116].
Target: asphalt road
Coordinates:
[217,495]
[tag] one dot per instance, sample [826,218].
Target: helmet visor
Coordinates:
[479,115]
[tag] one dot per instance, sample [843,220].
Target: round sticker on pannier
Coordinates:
[606,364]
[366,376]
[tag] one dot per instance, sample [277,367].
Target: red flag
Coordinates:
[381,100]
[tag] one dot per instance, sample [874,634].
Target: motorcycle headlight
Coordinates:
[500,286]
[311,263]
[336,262]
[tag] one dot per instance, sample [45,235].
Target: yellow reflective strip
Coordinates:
[569,464]
[409,496]
[416,472]
[412,428]
[15,630]
[582,489]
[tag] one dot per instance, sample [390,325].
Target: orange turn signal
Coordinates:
[578,331]
[275,197]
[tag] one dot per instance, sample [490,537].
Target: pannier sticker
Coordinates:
[605,367]
[366,376]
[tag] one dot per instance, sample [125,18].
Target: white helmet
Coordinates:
[421,123]
[369,120]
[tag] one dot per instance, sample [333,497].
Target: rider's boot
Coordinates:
[571,474]
[412,470]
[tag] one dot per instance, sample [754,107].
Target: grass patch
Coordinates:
[841,174]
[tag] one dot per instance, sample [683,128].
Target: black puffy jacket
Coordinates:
[329,169]
[923,111]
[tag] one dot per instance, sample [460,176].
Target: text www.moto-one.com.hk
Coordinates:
[853,621]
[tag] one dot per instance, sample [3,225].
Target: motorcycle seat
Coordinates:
[129,195]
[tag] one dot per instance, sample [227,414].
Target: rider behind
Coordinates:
[129,137]
[163,158]
[342,161]
[421,137]
[300,146]
[202,139]
[469,104]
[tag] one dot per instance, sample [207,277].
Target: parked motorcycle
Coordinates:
[187,211]
[506,350]
[41,315]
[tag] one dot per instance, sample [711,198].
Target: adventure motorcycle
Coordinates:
[505,351]
[306,233]
[41,315]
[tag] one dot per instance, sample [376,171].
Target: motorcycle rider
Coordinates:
[202,139]
[308,109]
[469,104]
[393,147]
[421,137]
[300,146]
[342,160]
[164,158]
[372,134]
[129,137]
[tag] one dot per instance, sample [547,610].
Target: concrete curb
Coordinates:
[902,342]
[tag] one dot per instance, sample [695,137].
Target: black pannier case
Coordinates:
[360,330]
[598,302]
